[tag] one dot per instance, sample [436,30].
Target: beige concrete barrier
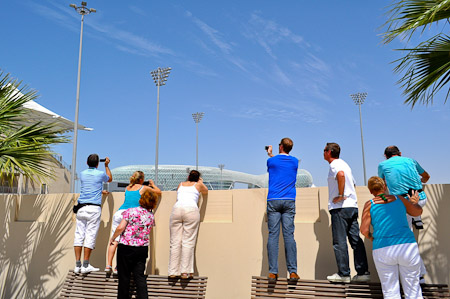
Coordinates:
[37,233]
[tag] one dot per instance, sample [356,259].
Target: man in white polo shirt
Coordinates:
[343,207]
[89,212]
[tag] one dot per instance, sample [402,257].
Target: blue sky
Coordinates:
[260,70]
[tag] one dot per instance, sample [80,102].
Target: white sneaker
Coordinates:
[361,278]
[337,278]
[76,270]
[88,269]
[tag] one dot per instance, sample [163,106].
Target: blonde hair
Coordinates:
[376,184]
[148,200]
[136,177]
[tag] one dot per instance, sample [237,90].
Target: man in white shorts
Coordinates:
[89,212]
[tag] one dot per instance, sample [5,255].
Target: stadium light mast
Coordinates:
[82,10]
[160,76]
[359,98]
[221,166]
[197,118]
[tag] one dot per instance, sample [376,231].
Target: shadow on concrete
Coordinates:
[24,246]
[434,238]
[326,264]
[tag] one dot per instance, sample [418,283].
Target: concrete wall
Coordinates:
[37,234]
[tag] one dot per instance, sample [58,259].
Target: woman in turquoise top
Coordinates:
[133,193]
[395,250]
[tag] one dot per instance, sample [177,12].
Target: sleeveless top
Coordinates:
[131,199]
[187,196]
[390,226]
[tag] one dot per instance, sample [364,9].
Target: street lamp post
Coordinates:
[197,118]
[221,166]
[160,76]
[82,10]
[359,98]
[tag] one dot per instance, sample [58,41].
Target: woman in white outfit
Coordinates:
[184,222]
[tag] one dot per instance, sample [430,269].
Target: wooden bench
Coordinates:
[103,285]
[261,288]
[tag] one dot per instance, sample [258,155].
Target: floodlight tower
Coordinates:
[359,98]
[82,10]
[160,76]
[221,166]
[197,118]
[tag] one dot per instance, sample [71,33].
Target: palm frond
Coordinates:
[24,149]
[426,70]
[406,16]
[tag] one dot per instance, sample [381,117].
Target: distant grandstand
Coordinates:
[170,176]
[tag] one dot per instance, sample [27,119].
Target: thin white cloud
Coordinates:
[280,76]
[124,40]
[284,111]
[214,35]
[316,65]
[268,34]
[138,10]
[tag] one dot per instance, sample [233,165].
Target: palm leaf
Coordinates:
[24,149]
[406,16]
[426,70]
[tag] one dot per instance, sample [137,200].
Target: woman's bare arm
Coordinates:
[411,205]
[119,230]
[365,222]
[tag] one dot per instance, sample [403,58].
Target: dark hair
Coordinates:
[194,176]
[334,148]
[287,144]
[148,200]
[391,150]
[92,160]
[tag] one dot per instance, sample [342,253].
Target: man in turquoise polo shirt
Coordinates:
[401,175]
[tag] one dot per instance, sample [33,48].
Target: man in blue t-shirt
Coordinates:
[282,170]
[88,215]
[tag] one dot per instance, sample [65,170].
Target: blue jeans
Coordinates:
[281,211]
[344,224]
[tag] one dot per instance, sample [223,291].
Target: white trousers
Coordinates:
[421,203]
[184,222]
[88,223]
[410,218]
[395,260]
[117,218]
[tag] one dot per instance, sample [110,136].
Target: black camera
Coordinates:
[266,147]
[146,183]
[103,160]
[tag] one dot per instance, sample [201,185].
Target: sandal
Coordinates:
[108,269]
[184,276]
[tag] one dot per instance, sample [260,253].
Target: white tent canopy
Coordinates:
[38,113]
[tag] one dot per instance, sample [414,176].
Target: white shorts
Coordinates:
[117,218]
[399,260]
[88,223]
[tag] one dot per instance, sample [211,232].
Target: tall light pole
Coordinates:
[82,10]
[359,98]
[221,166]
[197,118]
[160,77]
